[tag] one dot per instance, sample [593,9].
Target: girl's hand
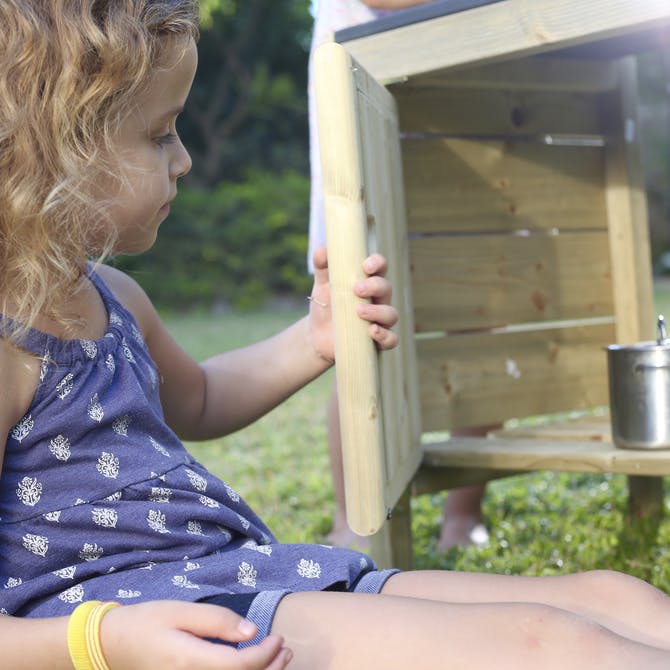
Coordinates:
[168,634]
[378,310]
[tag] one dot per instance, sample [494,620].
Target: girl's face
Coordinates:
[154,157]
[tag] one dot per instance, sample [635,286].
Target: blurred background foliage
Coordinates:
[237,234]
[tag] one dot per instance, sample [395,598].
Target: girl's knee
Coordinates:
[618,586]
[546,628]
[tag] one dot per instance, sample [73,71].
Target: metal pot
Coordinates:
[639,384]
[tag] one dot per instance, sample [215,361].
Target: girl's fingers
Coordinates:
[383,337]
[375,264]
[268,655]
[377,288]
[283,659]
[320,263]
[382,314]
[205,620]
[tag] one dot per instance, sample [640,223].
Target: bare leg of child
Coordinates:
[624,604]
[401,633]
[352,631]
[462,518]
[462,513]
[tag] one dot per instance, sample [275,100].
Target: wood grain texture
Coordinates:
[500,32]
[485,281]
[365,212]
[483,378]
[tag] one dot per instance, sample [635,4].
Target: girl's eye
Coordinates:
[168,138]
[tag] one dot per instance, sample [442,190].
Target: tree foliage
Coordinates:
[233,244]
[248,103]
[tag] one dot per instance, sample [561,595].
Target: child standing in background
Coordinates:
[117,549]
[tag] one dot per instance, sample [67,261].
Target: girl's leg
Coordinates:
[349,631]
[626,605]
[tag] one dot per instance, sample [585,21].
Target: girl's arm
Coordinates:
[34,643]
[166,635]
[233,389]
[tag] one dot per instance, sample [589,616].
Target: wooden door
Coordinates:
[365,212]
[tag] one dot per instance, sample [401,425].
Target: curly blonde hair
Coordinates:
[69,72]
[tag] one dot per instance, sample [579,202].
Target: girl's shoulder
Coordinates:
[130,294]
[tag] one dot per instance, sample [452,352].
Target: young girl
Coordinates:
[99,501]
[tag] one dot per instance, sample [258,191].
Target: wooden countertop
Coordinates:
[449,34]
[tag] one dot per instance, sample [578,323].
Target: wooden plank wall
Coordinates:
[506,180]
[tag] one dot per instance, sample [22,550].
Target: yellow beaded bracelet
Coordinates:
[83,635]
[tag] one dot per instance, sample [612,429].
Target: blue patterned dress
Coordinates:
[99,499]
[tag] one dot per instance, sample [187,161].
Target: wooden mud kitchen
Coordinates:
[490,150]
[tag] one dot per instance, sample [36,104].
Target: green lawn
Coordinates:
[541,523]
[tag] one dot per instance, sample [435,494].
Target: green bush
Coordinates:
[238,243]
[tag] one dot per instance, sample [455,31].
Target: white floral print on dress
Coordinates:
[183,582]
[160,494]
[91,552]
[36,544]
[29,491]
[126,351]
[108,465]
[198,482]
[246,574]
[65,385]
[95,409]
[159,448]
[22,429]
[156,521]
[194,528]
[232,493]
[110,364]
[115,319]
[66,573]
[105,517]
[75,594]
[59,446]
[120,425]
[44,366]
[309,569]
[137,335]
[209,502]
[260,548]
[90,348]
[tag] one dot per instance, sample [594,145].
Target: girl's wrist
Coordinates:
[83,635]
[325,361]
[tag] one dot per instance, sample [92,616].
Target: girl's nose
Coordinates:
[181,162]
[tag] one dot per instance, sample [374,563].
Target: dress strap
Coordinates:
[34,341]
[110,301]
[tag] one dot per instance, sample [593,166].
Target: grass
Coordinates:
[540,523]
